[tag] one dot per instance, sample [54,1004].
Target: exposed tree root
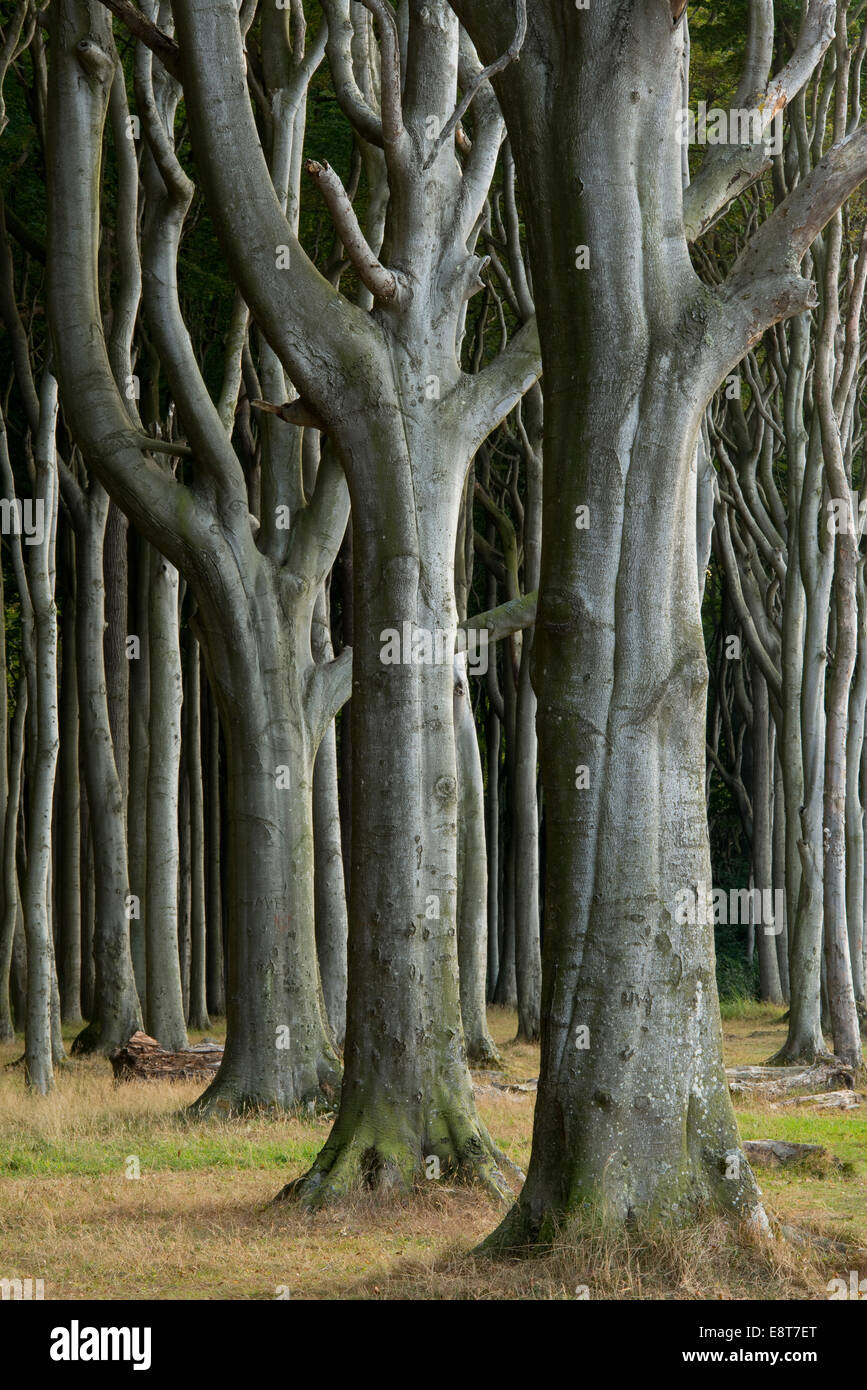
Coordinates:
[227,1099]
[369,1153]
[482,1054]
[809,1054]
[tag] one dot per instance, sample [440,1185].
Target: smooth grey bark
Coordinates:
[329,888]
[216,996]
[525,803]
[838,965]
[117,664]
[139,693]
[7,920]
[492,839]
[406,1090]
[11,894]
[165,1005]
[254,596]
[622,1123]
[69,810]
[39,621]
[782,938]
[114,1013]
[763,812]
[854,854]
[197,1016]
[472,876]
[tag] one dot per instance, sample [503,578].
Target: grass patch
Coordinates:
[198,1223]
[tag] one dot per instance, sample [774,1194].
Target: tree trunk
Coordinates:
[407,1095]
[782,939]
[198,1010]
[115,1012]
[625,1123]
[41,660]
[763,800]
[213,886]
[472,869]
[492,839]
[165,1005]
[329,880]
[11,896]
[69,817]
[278,1048]
[139,693]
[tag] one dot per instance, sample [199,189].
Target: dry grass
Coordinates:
[198,1222]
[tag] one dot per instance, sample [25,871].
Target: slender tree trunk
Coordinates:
[213,885]
[329,881]
[198,1011]
[782,938]
[11,896]
[139,692]
[528,953]
[472,905]
[165,1005]
[492,840]
[42,1027]
[507,982]
[117,665]
[804,1041]
[854,808]
[115,1013]
[763,773]
[69,817]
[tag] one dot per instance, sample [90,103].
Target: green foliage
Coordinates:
[737,978]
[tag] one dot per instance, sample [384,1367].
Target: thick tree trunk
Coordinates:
[407,1095]
[278,1047]
[626,1122]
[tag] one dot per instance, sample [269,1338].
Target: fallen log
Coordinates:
[830,1100]
[142,1059]
[776,1153]
[776,1081]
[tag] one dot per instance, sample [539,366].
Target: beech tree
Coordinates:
[624,1120]
[405,421]
[255,585]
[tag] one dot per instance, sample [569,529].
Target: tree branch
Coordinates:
[381,282]
[481,78]
[147,33]
[729,169]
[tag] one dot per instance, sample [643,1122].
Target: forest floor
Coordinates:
[198,1223]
